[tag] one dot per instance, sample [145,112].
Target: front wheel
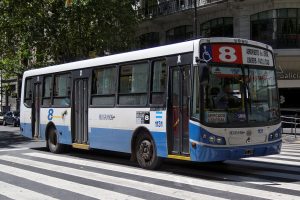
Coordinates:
[146,153]
[52,142]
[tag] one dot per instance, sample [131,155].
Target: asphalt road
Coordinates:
[29,171]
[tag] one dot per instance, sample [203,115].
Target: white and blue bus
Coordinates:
[211,99]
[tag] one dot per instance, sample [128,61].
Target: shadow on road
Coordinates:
[10,139]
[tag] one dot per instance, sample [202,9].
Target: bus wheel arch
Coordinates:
[143,149]
[52,139]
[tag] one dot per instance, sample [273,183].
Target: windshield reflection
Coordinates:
[240,95]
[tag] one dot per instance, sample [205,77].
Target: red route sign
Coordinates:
[227,53]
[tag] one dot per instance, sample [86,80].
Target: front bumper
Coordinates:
[204,153]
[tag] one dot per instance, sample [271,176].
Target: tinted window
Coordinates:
[220,27]
[179,34]
[104,85]
[159,76]
[61,95]
[279,28]
[47,88]
[133,84]
[28,92]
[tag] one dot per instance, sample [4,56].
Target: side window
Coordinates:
[133,84]
[104,85]
[28,92]
[196,95]
[47,90]
[62,91]
[159,76]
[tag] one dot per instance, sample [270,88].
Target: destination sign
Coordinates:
[235,54]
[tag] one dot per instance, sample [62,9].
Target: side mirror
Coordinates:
[204,74]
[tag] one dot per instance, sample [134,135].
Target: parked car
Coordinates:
[1,117]
[12,118]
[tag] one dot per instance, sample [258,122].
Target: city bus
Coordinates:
[160,103]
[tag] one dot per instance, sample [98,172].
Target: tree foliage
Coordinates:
[36,33]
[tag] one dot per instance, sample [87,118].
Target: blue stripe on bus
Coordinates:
[64,136]
[26,130]
[120,140]
[158,117]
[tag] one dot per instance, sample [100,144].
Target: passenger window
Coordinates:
[104,86]
[47,90]
[133,84]
[28,92]
[62,91]
[159,76]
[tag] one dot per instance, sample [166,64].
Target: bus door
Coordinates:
[80,110]
[178,109]
[36,105]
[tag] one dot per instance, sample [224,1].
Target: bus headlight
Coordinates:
[275,135]
[209,138]
[212,139]
[219,140]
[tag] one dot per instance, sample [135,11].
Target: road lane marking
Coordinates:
[19,193]
[86,190]
[148,187]
[13,149]
[170,177]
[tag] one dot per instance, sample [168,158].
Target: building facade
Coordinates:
[275,22]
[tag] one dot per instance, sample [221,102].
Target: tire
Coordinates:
[52,141]
[146,153]
[15,124]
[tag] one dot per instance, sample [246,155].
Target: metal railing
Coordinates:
[293,121]
[172,6]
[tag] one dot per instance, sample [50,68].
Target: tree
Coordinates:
[36,33]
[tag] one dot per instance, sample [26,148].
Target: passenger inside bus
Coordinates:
[224,99]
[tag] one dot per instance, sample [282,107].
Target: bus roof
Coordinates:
[161,51]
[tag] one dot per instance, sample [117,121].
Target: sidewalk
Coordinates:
[289,138]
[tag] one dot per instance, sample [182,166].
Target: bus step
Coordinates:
[81,146]
[179,157]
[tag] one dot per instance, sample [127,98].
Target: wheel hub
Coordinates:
[145,150]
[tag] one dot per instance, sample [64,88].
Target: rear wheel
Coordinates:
[52,142]
[146,153]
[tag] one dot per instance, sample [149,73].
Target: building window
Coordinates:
[62,90]
[133,84]
[47,90]
[219,27]
[279,28]
[148,40]
[179,34]
[103,87]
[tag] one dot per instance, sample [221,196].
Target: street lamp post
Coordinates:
[195,19]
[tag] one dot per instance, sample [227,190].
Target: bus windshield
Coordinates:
[241,93]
